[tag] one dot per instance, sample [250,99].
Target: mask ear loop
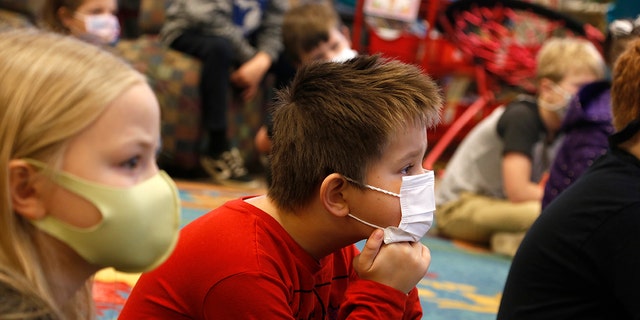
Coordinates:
[372,187]
[367,223]
[561,91]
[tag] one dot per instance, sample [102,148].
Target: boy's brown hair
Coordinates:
[625,88]
[340,117]
[306,26]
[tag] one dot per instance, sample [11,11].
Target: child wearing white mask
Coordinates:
[93,21]
[588,121]
[314,32]
[81,188]
[349,141]
[311,32]
[492,187]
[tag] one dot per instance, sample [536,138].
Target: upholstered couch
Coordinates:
[19,13]
[174,78]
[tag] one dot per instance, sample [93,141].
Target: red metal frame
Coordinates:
[436,60]
[431,10]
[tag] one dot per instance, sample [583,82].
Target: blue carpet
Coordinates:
[462,282]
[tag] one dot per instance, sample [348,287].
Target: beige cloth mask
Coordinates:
[139,226]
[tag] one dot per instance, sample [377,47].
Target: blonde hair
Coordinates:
[561,56]
[625,87]
[53,88]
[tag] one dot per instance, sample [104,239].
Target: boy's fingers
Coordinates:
[371,248]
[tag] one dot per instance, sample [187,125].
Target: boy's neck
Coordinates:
[308,228]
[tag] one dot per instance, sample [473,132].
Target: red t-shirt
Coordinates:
[237,262]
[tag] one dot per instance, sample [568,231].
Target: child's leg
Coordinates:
[223,163]
[216,56]
[476,218]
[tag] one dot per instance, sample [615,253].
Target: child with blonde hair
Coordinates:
[588,123]
[80,187]
[492,187]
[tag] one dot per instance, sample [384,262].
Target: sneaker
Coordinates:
[228,169]
[506,243]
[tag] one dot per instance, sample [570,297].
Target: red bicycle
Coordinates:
[495,43]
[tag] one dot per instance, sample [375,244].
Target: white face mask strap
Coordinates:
[561,91]
[367,223]
[372,187]
[550,107]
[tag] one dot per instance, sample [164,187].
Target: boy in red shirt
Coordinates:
[349,140]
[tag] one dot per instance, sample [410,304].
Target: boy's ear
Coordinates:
[25,198]
[332,195]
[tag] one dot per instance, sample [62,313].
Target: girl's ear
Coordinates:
[333,196]
[66,16]
[25,198]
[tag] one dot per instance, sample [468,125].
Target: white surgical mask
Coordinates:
[139,226]
[101,28]
[344,55]
[561,107]
[417,204]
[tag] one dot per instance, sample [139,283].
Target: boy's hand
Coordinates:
[249,92]
[398,265]
[249,75]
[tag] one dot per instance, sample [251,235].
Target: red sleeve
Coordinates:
[366,299]
[413,308]
[153,298]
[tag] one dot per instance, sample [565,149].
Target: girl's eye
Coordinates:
[131,163]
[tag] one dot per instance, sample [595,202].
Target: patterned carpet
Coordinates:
[463,283]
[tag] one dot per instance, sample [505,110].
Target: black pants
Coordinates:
[217,58]
[215,54]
